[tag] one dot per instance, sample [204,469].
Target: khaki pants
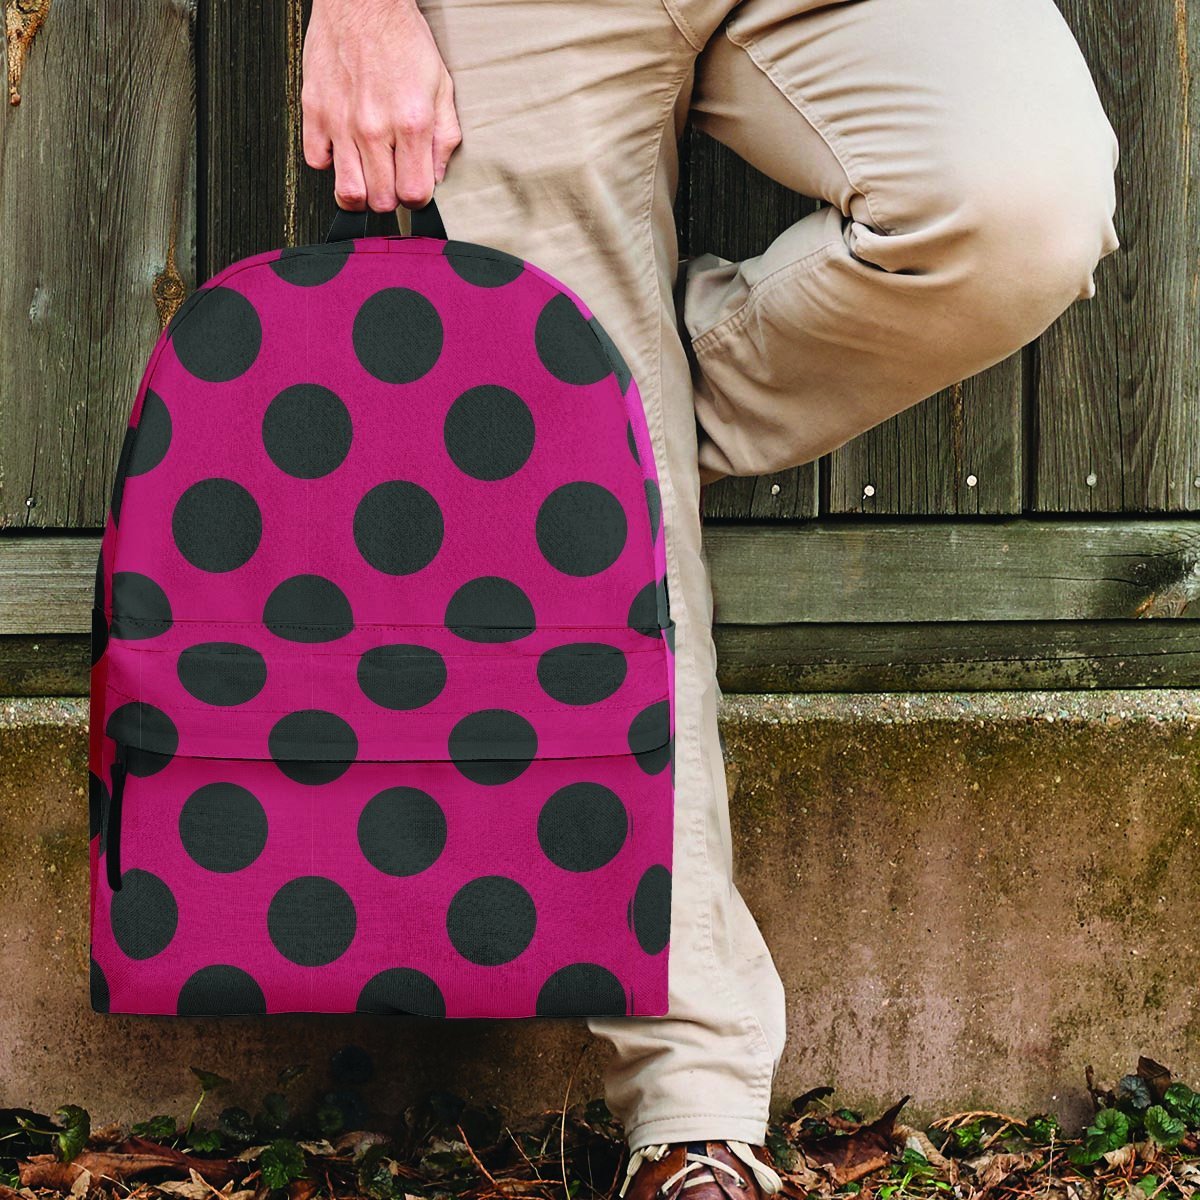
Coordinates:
[968,170]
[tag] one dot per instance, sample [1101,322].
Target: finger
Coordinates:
[447,136]
[318,149]
[379,173]
[414,162]
[349,188]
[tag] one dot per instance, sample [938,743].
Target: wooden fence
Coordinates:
[1015,531]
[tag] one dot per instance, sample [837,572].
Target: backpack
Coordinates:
[382,694]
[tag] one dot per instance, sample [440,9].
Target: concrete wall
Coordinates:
[970,897]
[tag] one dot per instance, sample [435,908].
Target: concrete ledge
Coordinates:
[969,895]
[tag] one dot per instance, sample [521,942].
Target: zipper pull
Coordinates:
[112,850]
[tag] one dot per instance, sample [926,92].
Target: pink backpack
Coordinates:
[382,693]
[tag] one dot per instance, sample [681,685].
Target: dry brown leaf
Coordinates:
[998,1167]
[915,1139]
[850,1157]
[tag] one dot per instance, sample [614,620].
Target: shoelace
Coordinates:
[768,1179]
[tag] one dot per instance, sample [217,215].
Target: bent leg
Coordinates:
[568,111]
[968,166]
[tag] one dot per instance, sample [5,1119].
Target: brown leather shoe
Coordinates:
[702,1171]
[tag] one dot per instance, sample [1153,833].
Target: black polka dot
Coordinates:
[223,827]
[98,986]
[615,357]
[650,910]
[581,528]
[654,506]
[100,631]
[401,676]
[567,345]
[648,612]
[144,915]
[311,266]
[397,335]
[311,921]
[308,608]
[99,637]
[221,990]
[142,725]
[477,740]
[490,609]
[98,801]
[222,673]
[217,525]
[637,458]
[582,826]
[312,746]
[398,527]
[491,920]
[216,334]
[402,831]
[117,502]
[649,737]
[152,439]
[489,432]
[582,990]
[306,431]
[402,991]
[140,608]
[482,266]
[582,672]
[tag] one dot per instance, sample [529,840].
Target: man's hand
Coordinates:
[378,103]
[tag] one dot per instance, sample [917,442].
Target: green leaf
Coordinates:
[375,1176]
[206,1141]
[1148,1184]
[157,1129]
[1042,1128]
[1110,1127]
[1165,1129]
[1134,1093]
[1180,1101]
[76,1128]
[281,1162]
[330,1120]
[967,1137]
[1108,1131]
[237,1125]
[210,1081]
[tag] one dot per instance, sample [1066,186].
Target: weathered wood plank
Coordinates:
[729,208]
[820,657]
[957,656]
[1119,390]
[838,572]
[954,571]
[57,665]
[954,454]
[257,191]
[97,220]
[47,584]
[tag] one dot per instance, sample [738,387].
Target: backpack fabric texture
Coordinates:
[382,695]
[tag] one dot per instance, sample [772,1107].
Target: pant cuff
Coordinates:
[697,1127]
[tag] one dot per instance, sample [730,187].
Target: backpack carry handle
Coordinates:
[426,222]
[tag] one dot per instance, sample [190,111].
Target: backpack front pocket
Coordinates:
[442,830]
